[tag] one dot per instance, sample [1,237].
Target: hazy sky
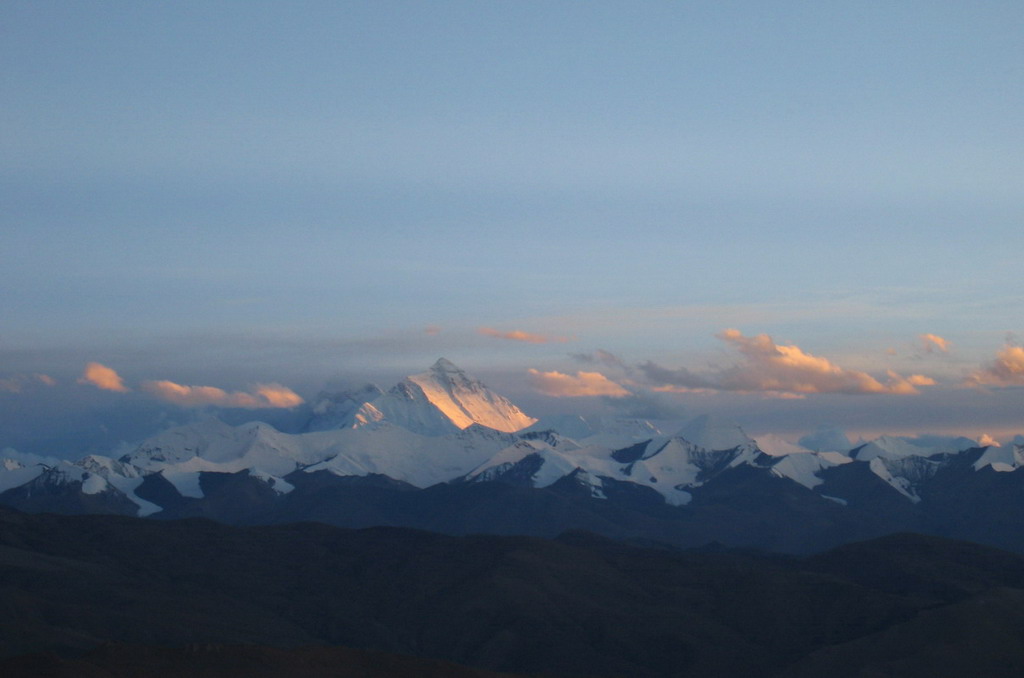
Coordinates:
[230,194]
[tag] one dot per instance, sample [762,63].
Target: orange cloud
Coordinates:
[265,395]
[519,335]
[1006,370]
[103,377]
[933,341]
[432,330]
[985,440]
[773,367]
[562,385]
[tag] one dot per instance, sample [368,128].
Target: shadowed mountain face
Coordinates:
[578,605]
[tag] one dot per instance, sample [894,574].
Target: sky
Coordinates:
[788,213]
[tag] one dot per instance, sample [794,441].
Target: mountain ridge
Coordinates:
[617,475]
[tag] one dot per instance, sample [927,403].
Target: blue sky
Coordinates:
[230,194]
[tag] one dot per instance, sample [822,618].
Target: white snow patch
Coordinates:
[279,485]
[93,484]
[185,482]
[895,447]
[774,446]
[1004,459]
[804,468]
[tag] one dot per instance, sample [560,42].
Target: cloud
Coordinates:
[17,382]
[1006,370]
[562,385]
[933,342]
[432,330]
[644,404]
[776,370]
[680,379]
[599,357]
[985,440]
[265,395]
[103,377]
[775,367]
[519,335]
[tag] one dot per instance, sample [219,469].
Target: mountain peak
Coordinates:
[713,433]
[444,365]
[464,400]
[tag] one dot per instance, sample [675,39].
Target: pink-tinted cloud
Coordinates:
[432,330]
[519,335]
[768,366]
[933,342]
[264,396]
[561,385]
[103,377]
[17,382]
[1006,370]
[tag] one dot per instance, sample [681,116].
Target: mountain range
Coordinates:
[441,451]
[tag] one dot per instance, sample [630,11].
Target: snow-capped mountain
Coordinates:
[669,465]
[602,431]
[337,409]
[713,433]
[440,401]
[443,433]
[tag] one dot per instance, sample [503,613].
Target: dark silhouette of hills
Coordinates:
[129,590]
[205,660]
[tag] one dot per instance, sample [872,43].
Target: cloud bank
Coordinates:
[768,366]
[774,370]
[265,396]
[1006,370]
[562,385]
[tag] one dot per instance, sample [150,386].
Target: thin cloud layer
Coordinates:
[265,396]
[1006,370]
[599,356]
[519,335]
[103,377]
[561,385]
[679,380]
